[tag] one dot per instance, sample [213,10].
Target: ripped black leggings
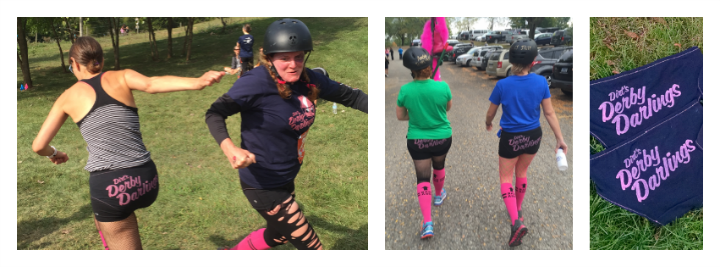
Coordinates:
[285,220]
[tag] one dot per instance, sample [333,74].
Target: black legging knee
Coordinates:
[290,224]
[423,170]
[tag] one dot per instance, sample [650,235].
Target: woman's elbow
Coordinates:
[37,147]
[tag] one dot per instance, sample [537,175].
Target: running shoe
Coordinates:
[439,199]
[520,216]
[427,230]
[517,231]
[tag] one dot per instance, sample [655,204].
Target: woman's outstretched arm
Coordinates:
[554,124]
[165,84]
[52,124]
[490,116]
[349,97]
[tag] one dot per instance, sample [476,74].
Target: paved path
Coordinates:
[474,215]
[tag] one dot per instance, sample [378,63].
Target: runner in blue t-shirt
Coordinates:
[246,42]
[275,101]
[521,97]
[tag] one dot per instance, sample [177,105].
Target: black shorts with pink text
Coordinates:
[428,148]
[516,144]
[116,194]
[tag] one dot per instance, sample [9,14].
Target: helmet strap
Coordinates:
[279,79]
[306,58]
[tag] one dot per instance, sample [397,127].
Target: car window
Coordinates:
[567,56]
[547,54]
[507,55]
[482,53]
[495,55]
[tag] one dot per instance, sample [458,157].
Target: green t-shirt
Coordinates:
[426,102]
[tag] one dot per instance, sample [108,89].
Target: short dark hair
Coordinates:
[247,28]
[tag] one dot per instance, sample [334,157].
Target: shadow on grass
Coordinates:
[209,52]
[32,230]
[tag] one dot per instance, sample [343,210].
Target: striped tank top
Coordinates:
[112,132]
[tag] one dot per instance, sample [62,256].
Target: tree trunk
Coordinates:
[169,29]
[186,38]
[81,27]
[70,31]
[153,44]
[190,36]
[115,36]
[22,42]
[57,40]
[223,23]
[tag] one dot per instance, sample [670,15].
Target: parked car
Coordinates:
[499,63]
[494,37]
[543,38]
[561,37]
[464,59]
[479,56]
[518,36]
[547,30]
[458,50]
[475,33]
[448,54]
[416,42]
[484,60]
[507,34]
[562,75]
[543,63]
[464,35]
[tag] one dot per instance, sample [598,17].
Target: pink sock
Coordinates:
[438,181]
[425,198]
[103,240]
[508,195]
[254,241]
[520,186]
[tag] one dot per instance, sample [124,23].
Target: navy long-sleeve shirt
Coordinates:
[273,128]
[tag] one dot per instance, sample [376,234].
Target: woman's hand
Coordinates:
[59,158]
[561,144]
[488,127]
[209,78]
[240,158]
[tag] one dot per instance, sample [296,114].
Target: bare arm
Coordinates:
[402,114]
[554,124]
[490,116]
[449,105]
[165,84]
[52,124]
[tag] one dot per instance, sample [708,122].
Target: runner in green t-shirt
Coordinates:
[425,103]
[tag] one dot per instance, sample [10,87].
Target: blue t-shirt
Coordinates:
[520,98]
[400,50]
[246,44]
[273,128]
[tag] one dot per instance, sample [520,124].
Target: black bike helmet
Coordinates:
[287,35]
[416,58]
[523,52]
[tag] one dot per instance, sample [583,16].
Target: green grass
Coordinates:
[612,227]
[201,205]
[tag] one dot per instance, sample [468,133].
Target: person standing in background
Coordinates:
[392,54]
[246,42]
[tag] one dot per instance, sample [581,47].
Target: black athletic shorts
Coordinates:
[247,63]
[116,194]
[267,199]
[427,148]
[516,144]
[387,63]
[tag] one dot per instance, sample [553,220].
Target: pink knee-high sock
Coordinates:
[424,193]
[508,195]
[254,241]
[438,181]
[520,186]
[103,240]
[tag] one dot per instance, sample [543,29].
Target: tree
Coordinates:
[189,37]
[69,29]
[23,53]
[492,21]
[153,44]
[222,20]
[114,26]
[169,29]
[52,21]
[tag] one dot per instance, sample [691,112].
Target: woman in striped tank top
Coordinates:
[123,178]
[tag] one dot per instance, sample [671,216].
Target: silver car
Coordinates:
[464,59]
[499,63]
[476,58]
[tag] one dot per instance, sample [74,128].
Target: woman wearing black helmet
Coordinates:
[521,97]
[275,101]
[425,103]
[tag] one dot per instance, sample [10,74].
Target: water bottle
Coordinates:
[561,160]
[334,108]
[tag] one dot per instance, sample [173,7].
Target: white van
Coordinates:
[475,33]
